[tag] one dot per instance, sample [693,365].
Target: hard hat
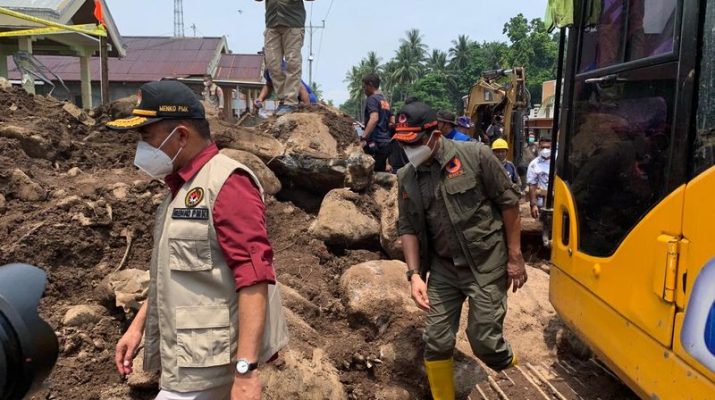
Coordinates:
[500,144]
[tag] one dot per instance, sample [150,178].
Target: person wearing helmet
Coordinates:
[447,125]
[461,233]
[464,124]
[500,148]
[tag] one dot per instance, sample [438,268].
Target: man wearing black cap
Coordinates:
[211,269]
[447,124]
[459,222]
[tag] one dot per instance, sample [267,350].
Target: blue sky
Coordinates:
[353,27]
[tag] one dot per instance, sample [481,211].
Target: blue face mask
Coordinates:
[532,139]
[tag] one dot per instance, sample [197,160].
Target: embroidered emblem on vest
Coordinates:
[191,213]
[454,168]
[194,197]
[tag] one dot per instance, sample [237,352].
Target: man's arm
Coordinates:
[506,195]
[128,345]
[266,91]
[242,236]
[371,124]
[219,94]
[411,250]
[516,269]
[303,94]
[252,303]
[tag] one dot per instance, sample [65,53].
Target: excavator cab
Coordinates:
[500,94]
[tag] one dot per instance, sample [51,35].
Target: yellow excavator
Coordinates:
[633,224]
[500,93]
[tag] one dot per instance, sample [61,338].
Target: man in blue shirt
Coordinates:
[377,135]
[305,94]
[446,123]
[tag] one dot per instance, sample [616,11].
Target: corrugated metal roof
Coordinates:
[240,68]
[148,59]
[50,7]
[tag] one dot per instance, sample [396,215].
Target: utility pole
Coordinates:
[193,28]
[311,28]
[178,18]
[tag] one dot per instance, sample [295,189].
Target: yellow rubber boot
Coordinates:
[441,378]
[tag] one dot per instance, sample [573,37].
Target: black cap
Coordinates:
[414,120]
[161,100]
[447,116]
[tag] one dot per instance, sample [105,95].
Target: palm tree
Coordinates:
[437,61]
[371,63]
[315,87]
[405,71]
[460,52]
[417,49]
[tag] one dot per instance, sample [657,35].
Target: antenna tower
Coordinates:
[178,18]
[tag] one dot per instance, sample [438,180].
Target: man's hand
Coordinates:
[246,387]
[419,292]
[535,211]
[258,103]
[516,271]
[127,349]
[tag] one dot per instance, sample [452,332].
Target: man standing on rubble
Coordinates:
[377,122]
[211,268]
[459,222]
[212,93]
[285,31]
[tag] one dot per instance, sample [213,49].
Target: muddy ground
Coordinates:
[87,198]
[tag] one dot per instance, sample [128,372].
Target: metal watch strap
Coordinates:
[411,272]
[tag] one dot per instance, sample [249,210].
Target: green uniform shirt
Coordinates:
[443,238]
[287,13]
[474,188]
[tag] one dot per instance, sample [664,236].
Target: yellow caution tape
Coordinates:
[48,23]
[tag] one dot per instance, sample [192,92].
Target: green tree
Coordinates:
[317,90]
[437,61]
[432,89]
[416,48]
[460,52]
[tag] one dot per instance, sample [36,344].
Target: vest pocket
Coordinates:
[487,248]
[203,336]
[190,252]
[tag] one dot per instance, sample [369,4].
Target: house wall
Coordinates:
[117,90]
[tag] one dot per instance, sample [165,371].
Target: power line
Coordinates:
[320,43]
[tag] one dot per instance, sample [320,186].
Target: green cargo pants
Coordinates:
[447,288]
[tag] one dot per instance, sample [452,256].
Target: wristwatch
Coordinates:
[411,272]
[244,366]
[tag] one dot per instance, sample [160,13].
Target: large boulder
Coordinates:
[261,144]
[301,378]
[385,196]
[126,289]
[83,315]
[345,220]
[24,188]
[271,184]
[377,290]
[321,152]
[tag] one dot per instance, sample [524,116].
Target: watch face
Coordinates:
[241,367]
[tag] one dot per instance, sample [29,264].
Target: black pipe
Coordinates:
[547,216]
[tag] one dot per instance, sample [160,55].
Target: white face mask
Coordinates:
[545,153]
[153,161]
[418,154]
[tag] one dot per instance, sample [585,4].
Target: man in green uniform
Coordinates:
[459,222]
[285,31]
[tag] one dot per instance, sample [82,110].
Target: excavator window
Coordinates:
[619,31]
[705,121]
